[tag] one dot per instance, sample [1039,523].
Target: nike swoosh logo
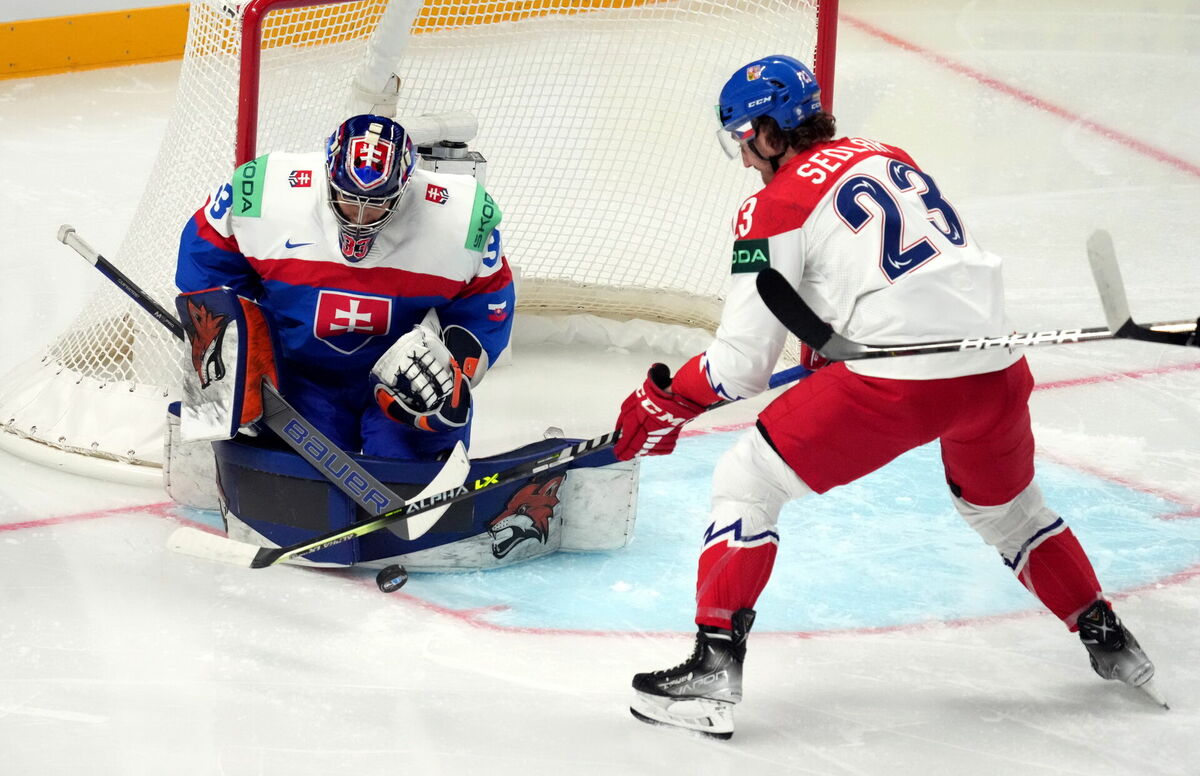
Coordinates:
[289,244]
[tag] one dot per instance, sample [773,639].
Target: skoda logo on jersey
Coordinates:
[346,322]
[371,161]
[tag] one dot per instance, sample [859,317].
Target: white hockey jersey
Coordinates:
[876,251]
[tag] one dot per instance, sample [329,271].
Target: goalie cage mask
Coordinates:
[369,161]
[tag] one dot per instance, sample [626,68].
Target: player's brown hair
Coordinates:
[816,129]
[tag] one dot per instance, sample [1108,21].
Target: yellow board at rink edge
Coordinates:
[110,39]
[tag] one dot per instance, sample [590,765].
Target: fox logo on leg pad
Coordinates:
[527,516]
[206,344]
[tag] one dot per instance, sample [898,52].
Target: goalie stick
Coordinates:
[290,426]
[786,304]
[68,237]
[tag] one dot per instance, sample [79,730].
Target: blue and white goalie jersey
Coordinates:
[270,235]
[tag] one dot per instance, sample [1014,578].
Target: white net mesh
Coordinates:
[595,115]
[601,126]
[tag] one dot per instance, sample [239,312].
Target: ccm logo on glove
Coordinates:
[652,417]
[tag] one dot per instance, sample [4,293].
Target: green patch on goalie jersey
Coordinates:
[249,180]
[751,255]
[485,216]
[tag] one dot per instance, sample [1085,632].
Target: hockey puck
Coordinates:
[391,578]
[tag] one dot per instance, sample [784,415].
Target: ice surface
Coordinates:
[890,639]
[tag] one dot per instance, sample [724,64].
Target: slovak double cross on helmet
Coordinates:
[778,86]
[369,161]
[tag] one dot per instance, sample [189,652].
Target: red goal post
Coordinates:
[595,117]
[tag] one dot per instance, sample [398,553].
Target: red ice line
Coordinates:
[996,84]
[160,509]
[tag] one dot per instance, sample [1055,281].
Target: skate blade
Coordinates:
[1151,689]
[700,715]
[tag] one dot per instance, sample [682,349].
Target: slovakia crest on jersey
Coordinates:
[300,179]
[371,161]
[436,194]
[346,322]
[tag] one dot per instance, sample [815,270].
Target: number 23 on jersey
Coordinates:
[861,199]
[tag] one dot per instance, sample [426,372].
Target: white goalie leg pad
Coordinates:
[1014,528]
[714,718]
[750,485]
[189,469]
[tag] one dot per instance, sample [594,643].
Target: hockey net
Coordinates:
[595,116]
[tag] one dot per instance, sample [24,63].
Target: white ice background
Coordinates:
[1040,121]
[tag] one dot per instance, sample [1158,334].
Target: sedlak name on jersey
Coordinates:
[832,159]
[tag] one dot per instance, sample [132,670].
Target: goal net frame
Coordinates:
[595,117]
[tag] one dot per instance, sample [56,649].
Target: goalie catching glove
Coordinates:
[424,380]
[652,417]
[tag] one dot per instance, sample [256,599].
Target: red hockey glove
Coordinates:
[811,359]
[651,417]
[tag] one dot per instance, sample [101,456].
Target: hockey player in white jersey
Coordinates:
[873,246]
[347,252]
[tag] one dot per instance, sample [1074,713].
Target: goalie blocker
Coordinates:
[232,351]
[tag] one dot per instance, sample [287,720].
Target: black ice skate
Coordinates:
[699,693]
[1114,652]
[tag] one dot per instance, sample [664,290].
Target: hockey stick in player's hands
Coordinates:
[786,304]
[1107,274]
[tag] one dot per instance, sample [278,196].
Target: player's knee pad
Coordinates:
[1015,527]
[750,485]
